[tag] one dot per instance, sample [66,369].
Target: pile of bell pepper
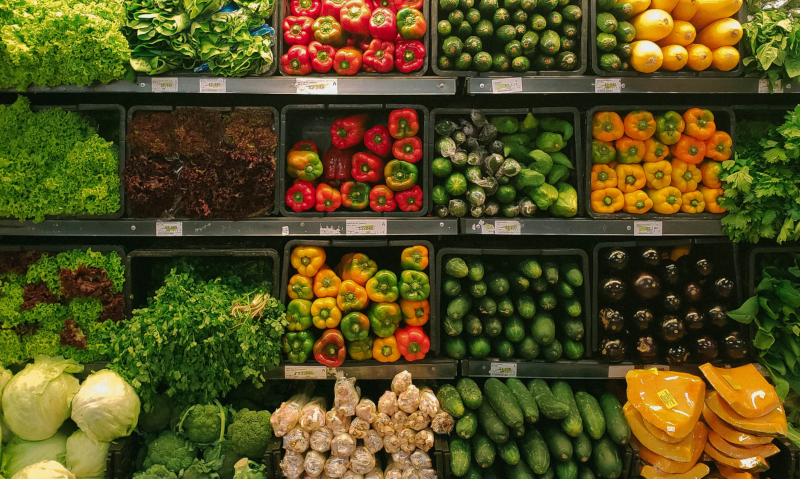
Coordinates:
[354,172]
[665,164]
[356,309]
[350,36]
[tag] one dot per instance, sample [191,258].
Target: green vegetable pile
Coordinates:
[762,185]
[54,163]
[503,165]
[513,310]
[510,430]
[772,44]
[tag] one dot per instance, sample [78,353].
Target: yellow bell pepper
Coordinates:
[325,314]
[359,269]
[299,287]
[658,174]
[352,297]
[326,283]
[693,202]
[603,176]
[685,176]
[710,171]
[654,151]
[637,202]
[415,313]
[385,350]
[307,260]
[666,200]
[607,200]
[630,178]
[710,196]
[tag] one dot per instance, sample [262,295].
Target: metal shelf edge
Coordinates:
[423,369]
[586,227]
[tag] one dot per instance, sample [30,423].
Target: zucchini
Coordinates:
[606,460]
[467,426]
[558,443]
[503,402]
[460,457]
[581,447]
[616,425]
[520,470]
[549,405]
[572,424]
[450,401]
[593,420]
[491,424]
[473,472]
[525,399]
[470,393]
[534,451]
[483,451]
[567,470]
[509,452]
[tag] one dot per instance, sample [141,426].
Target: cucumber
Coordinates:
[548,474]
[520,470]
[573,328]
[567,470]
[528,348]
[483,451]
[492,326]
[584,472]
[470,393]
[452,327]
[451,287]
[581,447]
[473,472]
[616,425]
[514,329]
[549,406]
[606,460]
[526,306]
[593,420]
[517,432]
[479,347]
[572,424]
[450,401]
[558,443]
[509,452]
[459,306]
[460,457]
[455,347]
[525,399]
[473,325]
[505,307]
[553,351]
[543,329]
[478,289]
[498,284]
[572,349]
[550,271]
[474,268]
[534,451]
[502,348]
[503,402]
[467,426]
[492,426]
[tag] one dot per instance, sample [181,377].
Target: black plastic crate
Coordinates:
[573,149]
[122,454]
[723,118]
[387,254]
[316,123]
[753,268]
[582,53]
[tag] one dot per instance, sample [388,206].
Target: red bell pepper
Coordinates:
[355,16]
[378,140]
[329,350]
[401,4]
[363,43]
[381,199]
[328,31]
[336,164]
[347,61]
[383,24]
[380,56]
[367,167]
[366,69]
[297,30]
[305,146]
[306,8]
[409,55]
[301,196]
[403,123]
[295,61]
[408,149]
[349,131]
[331,8]
[384,4]
[355,195]
[321,56]
[412,342]
[328,199]
[409,200]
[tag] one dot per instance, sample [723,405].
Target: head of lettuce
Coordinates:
[106,407]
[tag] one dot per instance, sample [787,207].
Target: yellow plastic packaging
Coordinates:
[697,472]
[738,452]
[770,424]
[680,452]
[730,434]
[744,389]
[674,467]
[752,464]
[668,400]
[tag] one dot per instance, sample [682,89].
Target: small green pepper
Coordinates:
[603,152]
[355,326]
[384,318]
[414,285]
[298,345]
[298,315]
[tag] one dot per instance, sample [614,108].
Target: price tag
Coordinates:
[763,86]
[164,85]
[212,85]
[284,231]
[507,85]
[305,372]
[486,228]
[329,230]
[317,86]
[619,371]
[507,227]
[169,228]
[667,398]
[732,382]
[366,227]
[608,85]
[503,370]
[647,228]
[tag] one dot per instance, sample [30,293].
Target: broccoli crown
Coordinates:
[203,423]
[250,433]
[202,470]
[156,472]
[170,450]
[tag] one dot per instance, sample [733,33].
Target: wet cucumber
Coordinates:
[581,447]
[492,426]
[593,420]
[508,452]
[558,443]
[483,451]
[503,402]
[460,457]
[467,426]
[572,424]
[607,463]
[470,393]
[548,405]
[616,425]
[526,401]
[534,451]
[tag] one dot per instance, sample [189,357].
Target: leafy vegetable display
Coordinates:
[53,162]
[773,47]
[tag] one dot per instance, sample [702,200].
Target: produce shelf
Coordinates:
[589,227]
[428,368]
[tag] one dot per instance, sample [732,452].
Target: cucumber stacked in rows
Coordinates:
[527,309]
[614,35]
[509,35]
[515,430]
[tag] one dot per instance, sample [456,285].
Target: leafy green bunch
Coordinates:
[225,41]
[772,43]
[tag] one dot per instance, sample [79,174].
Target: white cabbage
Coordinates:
[5,433]
[85,458]
[106,407]
[19,453]
[44,470]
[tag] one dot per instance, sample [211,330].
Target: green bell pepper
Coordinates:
[355,326]
[298,345]
[298,315]
[328,31]
[603,152]
[360,350]
[669,127]
[411,24]
[382,287]
[414,285]
[384,318]
[400,175]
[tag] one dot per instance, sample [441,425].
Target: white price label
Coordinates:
[329,230]
[305,372]
[647,228]
[164,85]
[608,85]
[284,231]
[315,86]
[618,371]
[169,228]
[507,85]
[366,227]
[485,228]
[503,370]
[212,85]
[507,227]
[763,86]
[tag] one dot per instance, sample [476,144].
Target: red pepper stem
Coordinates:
[344,65]
[296,28]
[365,168]
[413,347]
[298,198]
[381,200]
[331,350]
[408,56]
[296,64]
[342,133]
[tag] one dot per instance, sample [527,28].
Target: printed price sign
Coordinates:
[763,86]
[329,230]
[507,85]
[212,85]
[484,228]
[647,228]
[366,227]
[608,85]
[305,372]
[164,85]
[169,228]
[503,370]
[313,86]
[284,231]
[507,227]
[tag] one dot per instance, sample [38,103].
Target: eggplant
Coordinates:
[704,267]
[693,320]
[717,316]
[613,289]
[646,285]
[646,350]
[735,347]
[642,319]
[677,354]
[692,292]
[672,328]
[650,256]
[671,302]
[612,350]
[670,273]
[723,287]
[706,349]
[617,259]
[611,321]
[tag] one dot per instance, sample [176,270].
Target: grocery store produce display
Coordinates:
[667,302]
[505,162]
[665,163]
[521,36]
[529,305]
[358,307]
[201,162]
[669,35]
[354,36]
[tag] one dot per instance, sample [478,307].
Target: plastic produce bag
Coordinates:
[408,400]
[393,471]
[352,475]
[421,460]
[410,474]
[314,463]
[401,382]
[288,415]
[418,420]
[335,467]
[106,407]
[424,439]
[44,470]
[359,428]
[373,441]
[296,440]
[387,404]
[427,473]
[343,445]
[428,403]
[345,396]
[367,410]
[85,458]
[442,423]
[407,439]
[402,459]
[320,440]
[400,420]
[375,473]
[292,464]
[384,425]
[312,416]
[391,443]
[336,422]
[362,461]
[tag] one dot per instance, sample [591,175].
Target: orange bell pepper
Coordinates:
[414,257]
[607,200]
[710,171]
[340,266]
[629,150]
[352,297]
[685,176]
[299,287]
[637,202]
[658,174]
[693,202]
[654,151]
[385,350]
[307,260]
[666,200]
[699,123]
[603,177]
[326,283]
[639,124]
[630,178]
[359,269]
[718,146]
[710,196]
[689,149]
[607,126]
[415,313]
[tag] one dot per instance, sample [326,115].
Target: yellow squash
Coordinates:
[639,6]
[709,11]
[674,467]
[652,25]
[770,424]
[699,57]
[725,59]
[730,434]
[683,33]
[646,56]
[666,5]
[744,389]
[697,472]
[679,452]
[722,33]
[675,57]
[685,10]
